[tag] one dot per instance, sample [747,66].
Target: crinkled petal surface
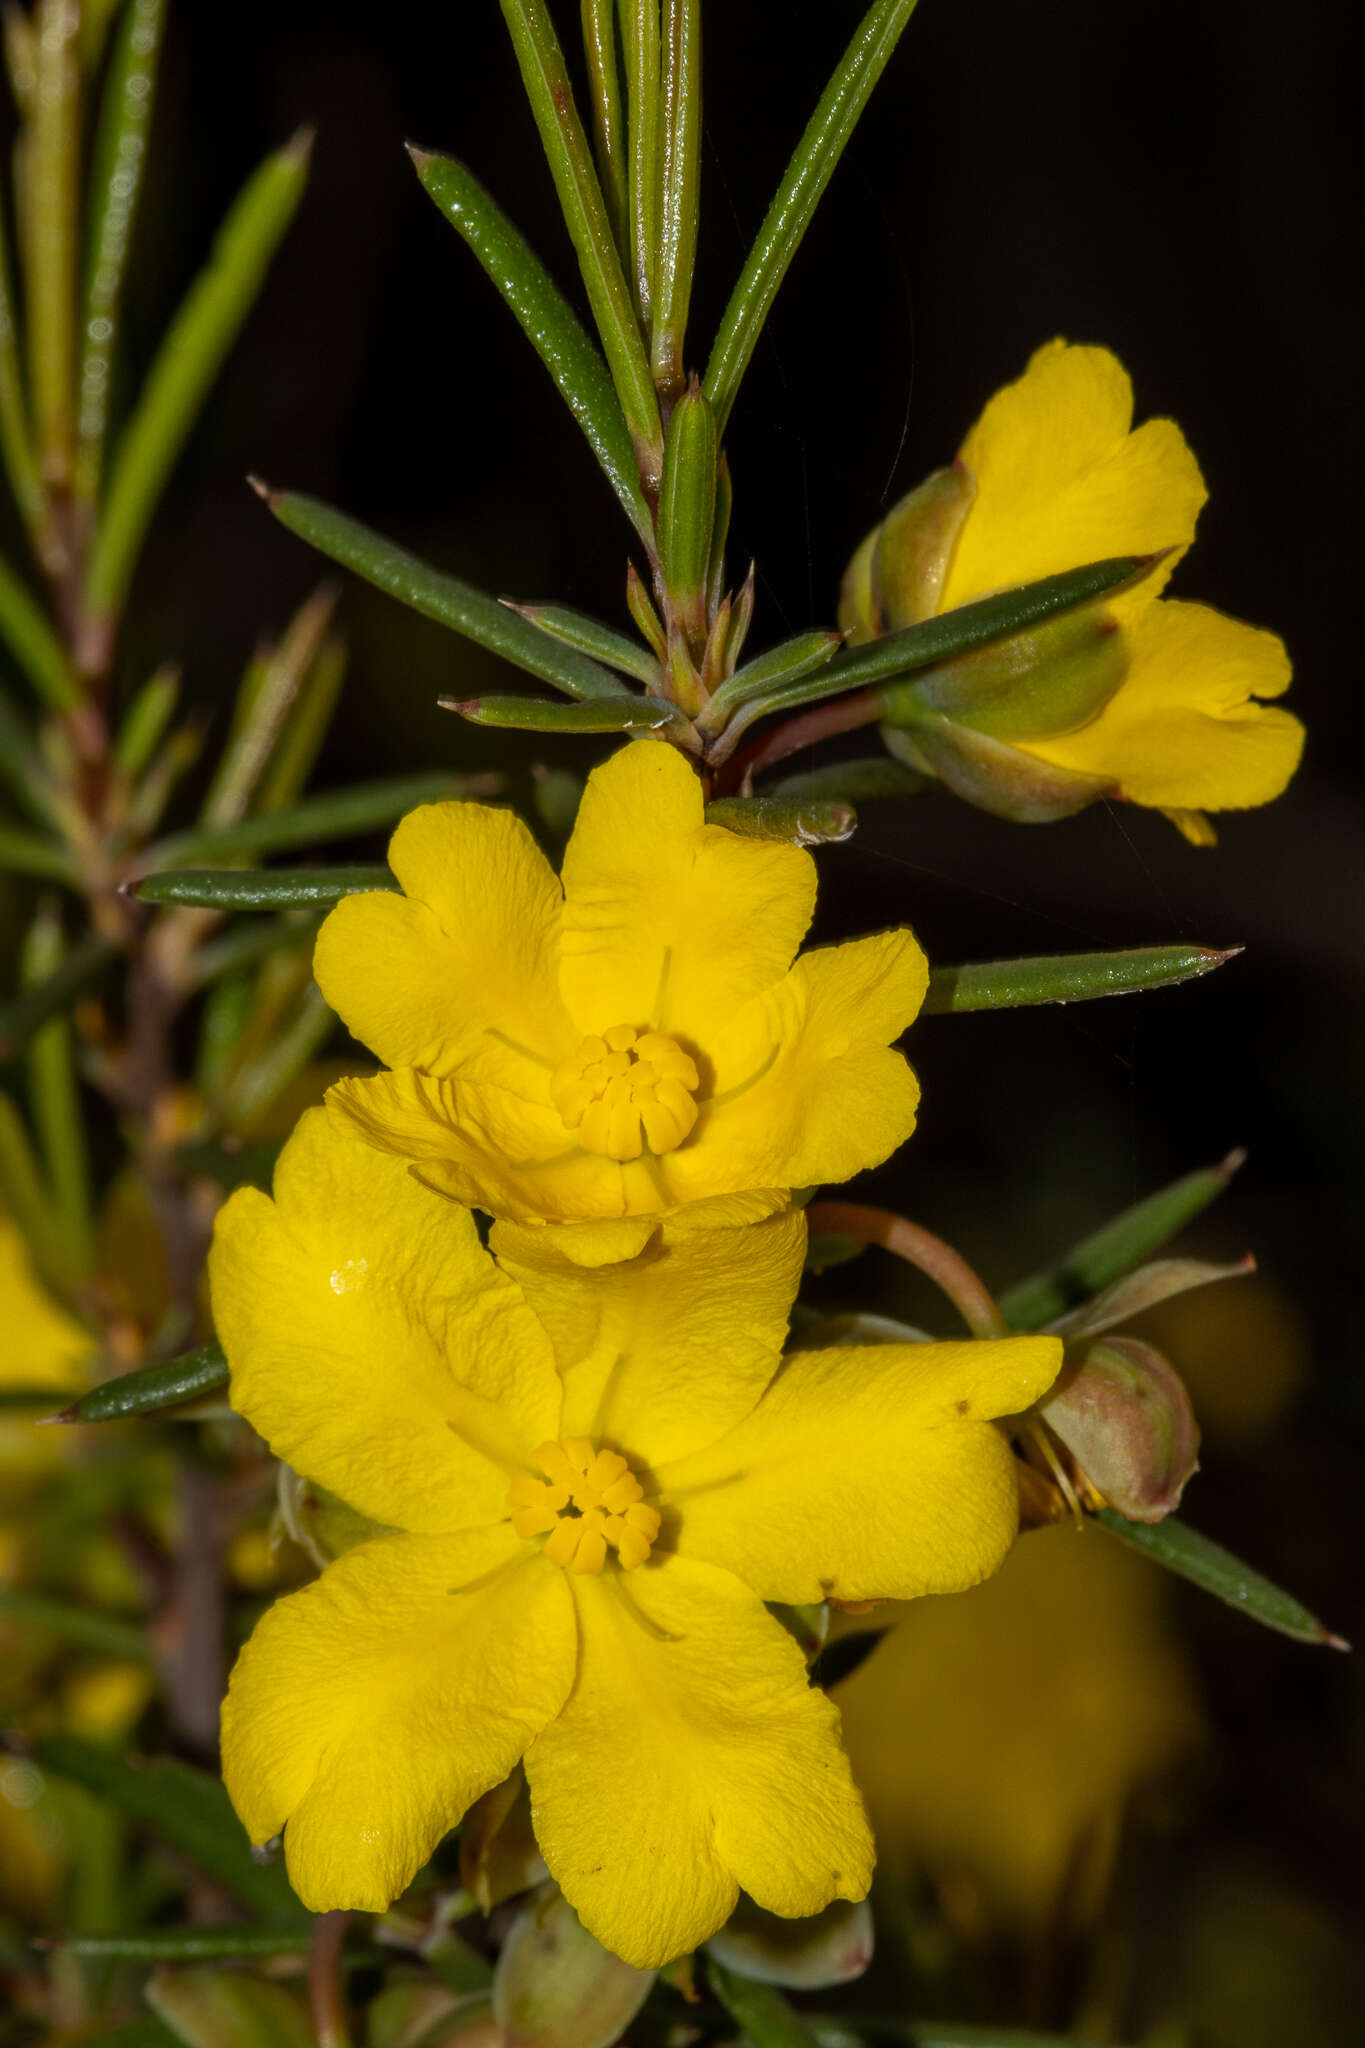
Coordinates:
[372,1340]
[368,1711]
[669,921]
[692,1759]
[807,1088]
[1186,730]
[461,970]
[1062,481]
[665,1352]
[865,1474]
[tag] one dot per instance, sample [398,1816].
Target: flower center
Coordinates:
[587,1500]
[625,1090]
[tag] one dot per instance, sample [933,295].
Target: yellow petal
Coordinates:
[1186,732]
[40,1344]
[669,922]
[372,1341]
[463,966]
[866,1474]
[664,1352]
[490,1148]
[806,1089]
[692,1759]
[370,1710]
[1061,481]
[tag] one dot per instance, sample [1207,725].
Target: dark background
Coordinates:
[1180,181]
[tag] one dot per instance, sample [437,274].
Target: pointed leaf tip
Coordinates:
[300,143]
[265,491]
[420,157]
[1232,1164]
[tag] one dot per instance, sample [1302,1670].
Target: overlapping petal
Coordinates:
[1187,730]
[865,1474]
[807,1087]
[368,1711]
[665,1352]
[669,921]
[372,1340]
[460,970]
[1063,480]
[693,1759]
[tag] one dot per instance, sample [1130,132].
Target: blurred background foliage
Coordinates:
[1104,1803]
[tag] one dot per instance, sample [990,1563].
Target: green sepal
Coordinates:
[447,599]
[188,1808]
[247,889]
[152,1387]
[856,782]
[1181,1549]
[1115,1248]
[1066,977]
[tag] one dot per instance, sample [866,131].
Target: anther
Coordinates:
[624,1090]
[587,1501]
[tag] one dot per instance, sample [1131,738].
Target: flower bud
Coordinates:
[1124,1415]
[896,577]
[832,1947]
[1001,779]
[555,1985]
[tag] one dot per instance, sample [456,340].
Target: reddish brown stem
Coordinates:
[326,1996]
[947,1269]
[839,714]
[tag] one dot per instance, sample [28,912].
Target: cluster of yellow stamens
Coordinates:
[625,1090]
[587,1500]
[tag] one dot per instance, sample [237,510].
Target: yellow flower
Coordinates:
[496,1414]
[633,1043]
[1053,476]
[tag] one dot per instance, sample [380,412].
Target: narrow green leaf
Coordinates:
[687,506]
[542,714]
[74,974]
[788,663]
[22,1400]
[97,18]
[592,637]
[546,319]
[608,114]
[585,215]
[24,768]
[771,817]
[1066,977]
[186,364]
[88,1627]
[16,441]
[878,2030]
[188,1808]
[1116,1247]
[235,889]
[446,599]
[186,1944]
[339,814]
[26,854]
[247,943]
[680,187]
[268,693]
[1206,1564]
[118,169]
[152,1387]
[22,1189]
[938,639]
[760,2011]
[55,1096]
[143,725]
[31,640]
[305,731]
[52,190]
[639,21]
[260,1081]
[797,197]
[856,782]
